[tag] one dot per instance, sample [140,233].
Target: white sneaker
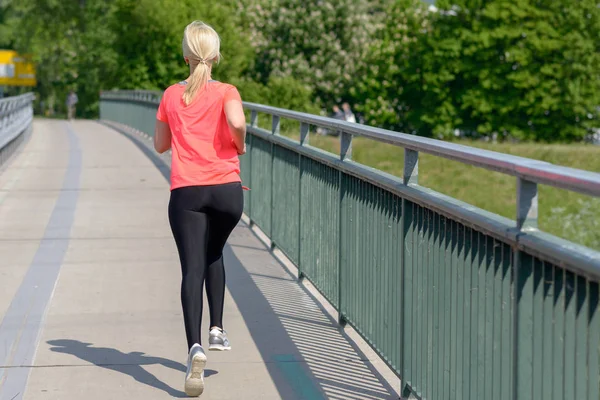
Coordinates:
[194,378]
[217,340]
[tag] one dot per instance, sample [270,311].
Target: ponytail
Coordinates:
[200,47]
[197,80]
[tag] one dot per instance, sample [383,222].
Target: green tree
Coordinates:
[71,45]
[530,68]
[526,69]
[389,88]
[5,32]
[94,45]
[149,41]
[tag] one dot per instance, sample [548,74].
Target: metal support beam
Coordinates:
[527,204]
[411,167]
[276,125]
[346,146]
[304,130]
[254,118]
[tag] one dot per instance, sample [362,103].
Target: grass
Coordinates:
[562,213]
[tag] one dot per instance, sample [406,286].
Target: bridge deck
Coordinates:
[89,289]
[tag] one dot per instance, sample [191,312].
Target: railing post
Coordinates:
[341,318]
[410,177]
[275,126]
[304,130]
[249,193]
[254,119]
[346,146]
[411,167]
[527,204]
[274,131]
[345,154]
[254,124]
[527,216]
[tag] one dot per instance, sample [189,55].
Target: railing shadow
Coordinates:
[292,319]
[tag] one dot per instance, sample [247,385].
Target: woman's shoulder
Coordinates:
[223,86]
[175,88]
[228,92]
[221,89]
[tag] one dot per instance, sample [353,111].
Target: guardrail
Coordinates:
[459,302]
[16,116]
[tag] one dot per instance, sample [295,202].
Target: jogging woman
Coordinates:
[202,121]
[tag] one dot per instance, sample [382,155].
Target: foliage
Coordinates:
[527,69]
[5,34]
[69,43]
[390,89]
[285,92]
[95,45]
[157,28]
[322,43]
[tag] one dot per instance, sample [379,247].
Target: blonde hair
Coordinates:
[201,45]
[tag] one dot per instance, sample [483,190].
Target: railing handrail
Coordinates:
[10,104]
[15,111]
[532,170]
[540,172]
[24,96]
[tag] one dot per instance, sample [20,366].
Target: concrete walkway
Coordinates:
[89,289]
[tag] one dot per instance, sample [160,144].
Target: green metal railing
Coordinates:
[459,302]
[16,116]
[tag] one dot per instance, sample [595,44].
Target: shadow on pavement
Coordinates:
[126,363]
[306,353]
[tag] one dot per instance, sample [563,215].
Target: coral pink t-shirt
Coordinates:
[203,152]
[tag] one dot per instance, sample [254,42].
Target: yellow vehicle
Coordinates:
[16,69]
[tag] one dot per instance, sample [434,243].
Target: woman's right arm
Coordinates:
[234,111]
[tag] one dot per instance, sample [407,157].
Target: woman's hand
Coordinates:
[243,151]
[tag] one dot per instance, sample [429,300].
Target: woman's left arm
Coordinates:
[162,136]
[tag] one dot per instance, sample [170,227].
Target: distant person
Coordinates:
[338,114]
[72,100]
[203,122]
[348,114]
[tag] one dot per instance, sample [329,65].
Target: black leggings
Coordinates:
[202,218]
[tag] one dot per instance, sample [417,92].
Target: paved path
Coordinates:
[89,289]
